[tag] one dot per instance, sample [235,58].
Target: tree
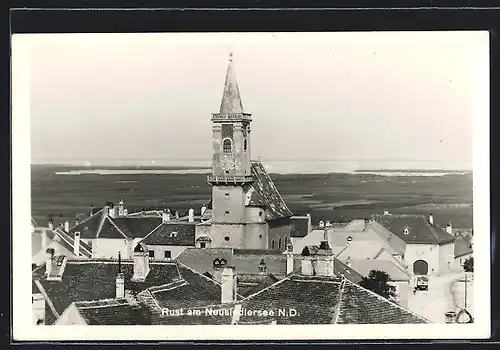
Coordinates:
[469,264]
[377,281]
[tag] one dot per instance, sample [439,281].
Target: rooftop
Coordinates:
[415,229]
[113,312]
[171,233]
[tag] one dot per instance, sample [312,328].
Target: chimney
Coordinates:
[44,239]
[125,212]
[325,235]
[120,279]
[48,261]
[262,267]
[386,212]
[121,208]
[203,209]
[166,215]
[177,214]
[309,223]
[112,211]
[51,224]
[321,224]
[367,222]
[191,215]
[141,262]
[91,210]
[77,221]
[228,285]
[431,219]
[328,224]
[66,226]
[76,244]
[449,228]
[289,256]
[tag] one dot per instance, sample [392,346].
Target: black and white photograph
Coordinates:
[324,185]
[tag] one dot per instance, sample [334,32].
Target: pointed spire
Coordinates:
[231,99]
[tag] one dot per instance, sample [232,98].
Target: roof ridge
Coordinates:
[87,219]
[116,226]
[337,307]
[101,224]
[272,285]
[153,230]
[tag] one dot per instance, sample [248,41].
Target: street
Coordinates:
[446,293]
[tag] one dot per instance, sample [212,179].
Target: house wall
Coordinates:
[228,204]
[159,250]
[256,236]
[403,290]
[446,257]
[109,248]
[235,232]
[70,316]
[255,215]
[38,308]
[279,228]
[426,252]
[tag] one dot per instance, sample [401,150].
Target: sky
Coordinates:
[373,95]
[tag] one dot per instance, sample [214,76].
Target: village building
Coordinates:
[429,249]
[462,251]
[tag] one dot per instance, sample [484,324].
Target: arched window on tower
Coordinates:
[227,146]
[245,145]
[279,243]
[272,244]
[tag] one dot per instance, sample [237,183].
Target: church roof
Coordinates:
[231,99]
[264,193]
[419,229]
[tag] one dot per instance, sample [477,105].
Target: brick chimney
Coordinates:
[228,285]
[141,262]
[449,228]
[120,279]
[48,260]
[431,219]
[76,244]
[166,215]
[191,215]
[66,226]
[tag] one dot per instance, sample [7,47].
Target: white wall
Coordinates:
[446,257]
[427,252]
[253,216]
[459,262]
[159,250]
[109,247]
[402,292]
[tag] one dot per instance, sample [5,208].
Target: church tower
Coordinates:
[231,167]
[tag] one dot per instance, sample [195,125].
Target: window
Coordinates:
[260,236]
[279,243]
[151,253]
[226,238]
[226,212]
[168,254]
[203,245]
[226,194]
[227,146]
[260,213]
[173,234]
[245,145]
[272,244]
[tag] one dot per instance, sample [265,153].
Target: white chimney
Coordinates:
[309,223]
[328,224]
[203,209]
[44,239]
[449,228]
[289,262]
[48,260]
[125,212]
[177,214]
[191,215]
[321,224]
[166,216]
[121,208]
[76,244]
[51,224]
[112,211]
[141,262]
[386,212]
[228,285]
[307,266]
[431,219]
[66,226]
[367,223]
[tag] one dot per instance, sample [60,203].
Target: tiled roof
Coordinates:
[113,312]
[265,193]
[420,230]
[244,261]
[137,227]
[264,282]
[67,240]
[80,279]
[89,227]
[175,234]
[325,300]
[364,266]
[462,247]
[300,226]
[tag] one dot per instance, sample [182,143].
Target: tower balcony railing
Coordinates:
[229,179]
[231,116]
